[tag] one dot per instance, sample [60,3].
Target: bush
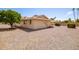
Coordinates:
[71,25]
[57,24]
[65,21]
[77,20]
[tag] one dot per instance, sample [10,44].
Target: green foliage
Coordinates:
[65,21]
[53,18]
[69,20]
[77,20]
[71,25]
[9,16]
[57,24]
[2,15]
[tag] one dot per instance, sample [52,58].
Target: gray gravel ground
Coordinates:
[57,38]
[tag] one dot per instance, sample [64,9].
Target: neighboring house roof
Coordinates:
[36,17]
[40,16]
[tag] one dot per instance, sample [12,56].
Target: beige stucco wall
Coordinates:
[36,24]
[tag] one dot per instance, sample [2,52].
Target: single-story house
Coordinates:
[36,22]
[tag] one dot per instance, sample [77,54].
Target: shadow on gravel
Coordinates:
[22,28]
[6,29]
[31,30]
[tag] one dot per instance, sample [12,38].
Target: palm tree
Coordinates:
[53,18]
[74,13]
[77,13]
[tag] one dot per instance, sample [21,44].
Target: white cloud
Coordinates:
[69,13]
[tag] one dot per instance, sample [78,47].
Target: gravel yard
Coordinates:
[57,38]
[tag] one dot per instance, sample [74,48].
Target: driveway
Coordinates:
[57,38]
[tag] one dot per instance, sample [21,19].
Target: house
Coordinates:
[36,22]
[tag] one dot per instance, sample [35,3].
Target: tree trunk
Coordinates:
[11,24]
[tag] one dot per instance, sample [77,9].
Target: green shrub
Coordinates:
[77,20]
[65,21]
[57,24]
[71,25]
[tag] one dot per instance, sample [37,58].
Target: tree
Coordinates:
[77,13]
[65,21]
[2,15]
[69,19]
[53,18]
[74,13]
[77,20]
[10,17]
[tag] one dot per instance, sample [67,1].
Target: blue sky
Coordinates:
[59,13]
